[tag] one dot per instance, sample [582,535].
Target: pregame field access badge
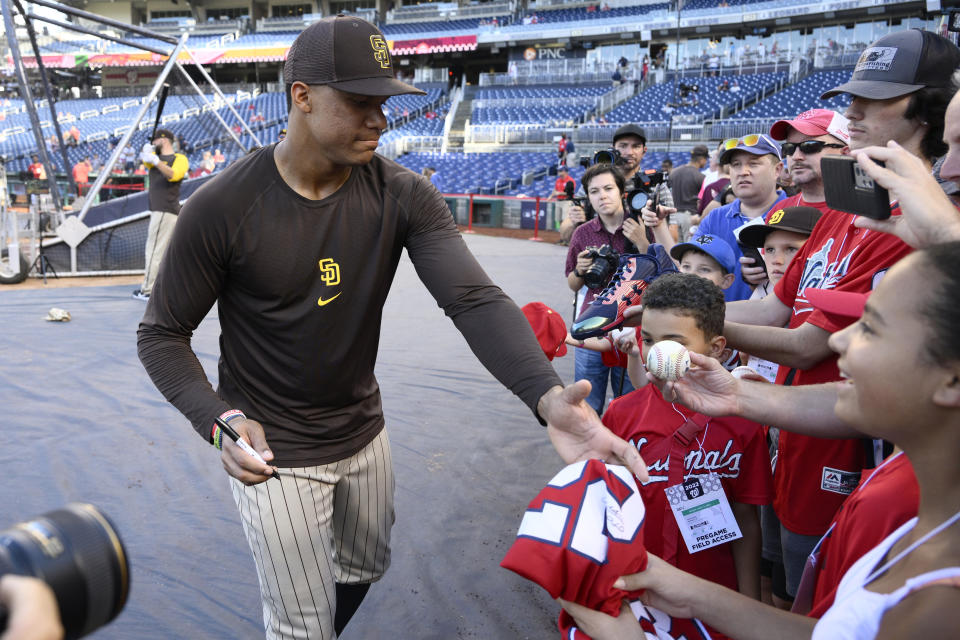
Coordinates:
[703,512]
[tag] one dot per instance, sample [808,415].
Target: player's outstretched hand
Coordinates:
[238,462]
[928,215]
[706,388]
[577,433]
[600,626]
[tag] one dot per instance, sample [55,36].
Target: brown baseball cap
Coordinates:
[795,219]
[346,53]
[164,133]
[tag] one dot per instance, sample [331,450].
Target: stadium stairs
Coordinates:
[456,136]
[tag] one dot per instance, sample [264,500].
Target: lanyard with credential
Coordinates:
[676,447]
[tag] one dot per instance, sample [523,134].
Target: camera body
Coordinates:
[606,259]
[584,203]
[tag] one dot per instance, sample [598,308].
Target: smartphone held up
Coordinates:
[847,187]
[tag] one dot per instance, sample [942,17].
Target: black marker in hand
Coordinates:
[227,429]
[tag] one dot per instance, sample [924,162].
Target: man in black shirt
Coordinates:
[167,169]
[298,244]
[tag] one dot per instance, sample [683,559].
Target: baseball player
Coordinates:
[298,243]
[167,170]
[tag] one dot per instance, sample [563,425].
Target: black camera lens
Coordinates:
[76,550]
[603,157]
[606,156]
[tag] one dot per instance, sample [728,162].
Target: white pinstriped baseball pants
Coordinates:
[315,527]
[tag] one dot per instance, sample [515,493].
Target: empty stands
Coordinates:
[662,101]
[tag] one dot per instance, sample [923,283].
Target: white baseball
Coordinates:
[668,360]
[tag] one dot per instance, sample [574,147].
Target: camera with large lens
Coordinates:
[76,550]
[607,156]
[644,186]
[605,262]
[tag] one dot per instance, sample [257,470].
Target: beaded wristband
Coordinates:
[216,435]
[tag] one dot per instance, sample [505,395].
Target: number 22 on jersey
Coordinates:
[582,510]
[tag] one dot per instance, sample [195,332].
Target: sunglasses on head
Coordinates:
[747,141]
[807,147]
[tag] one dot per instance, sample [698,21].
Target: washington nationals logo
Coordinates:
[330,275]
[381,53]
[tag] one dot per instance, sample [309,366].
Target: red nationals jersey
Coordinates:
[815,475]
[884,500]
[734,448]
[656,624]
[580,534]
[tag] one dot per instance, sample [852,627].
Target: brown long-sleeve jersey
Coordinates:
[300,286]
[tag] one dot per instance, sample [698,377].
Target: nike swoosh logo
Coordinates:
[321,302]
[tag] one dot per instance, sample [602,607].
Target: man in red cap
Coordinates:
[900,88]
[807,138]
[298,243]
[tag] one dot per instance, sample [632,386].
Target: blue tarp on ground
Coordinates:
[82,422]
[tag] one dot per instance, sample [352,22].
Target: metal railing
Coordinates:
[723,129]
[446,12]
[407,144]
[611,99]
[511,133]
[579,101]
[560,77]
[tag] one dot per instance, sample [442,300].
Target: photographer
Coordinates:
[604,185]
[630,144]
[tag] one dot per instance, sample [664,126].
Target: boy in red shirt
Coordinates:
[690,310]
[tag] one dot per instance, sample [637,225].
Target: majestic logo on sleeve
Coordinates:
[381,53]
[330,275]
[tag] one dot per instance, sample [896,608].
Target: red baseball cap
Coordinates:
[845,304]
[549,327]
[815,122]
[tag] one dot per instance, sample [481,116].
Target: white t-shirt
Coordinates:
[856,613]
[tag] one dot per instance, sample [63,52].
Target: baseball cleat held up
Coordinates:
[625,290]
